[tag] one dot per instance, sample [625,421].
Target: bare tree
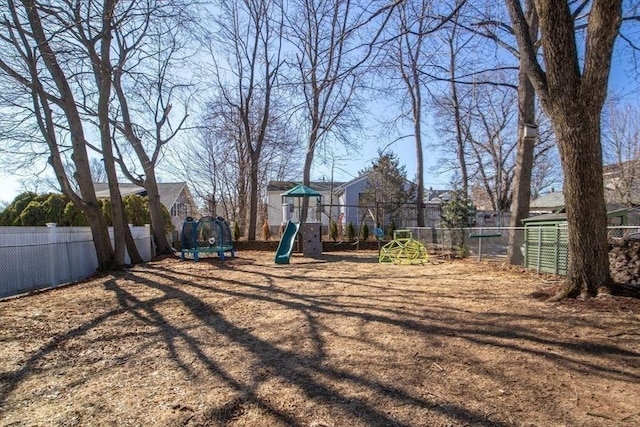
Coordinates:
[250,36]
[493,151]
[40,66]
[526,146]
[212,160]
[411,55]
[453,116]
[144,45]
[88,36]
[147,74]
[328,64]
[98,173]
[572,94]
[621,136]
[79,21]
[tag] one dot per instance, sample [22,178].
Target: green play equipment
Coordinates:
[403,249]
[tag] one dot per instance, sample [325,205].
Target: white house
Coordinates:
[280,210]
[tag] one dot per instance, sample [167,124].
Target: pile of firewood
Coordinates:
[624,260]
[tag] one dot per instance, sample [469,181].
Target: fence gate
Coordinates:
[546,245]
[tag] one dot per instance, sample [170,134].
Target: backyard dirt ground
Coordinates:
[336,341]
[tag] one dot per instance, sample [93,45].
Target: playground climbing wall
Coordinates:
[311,241]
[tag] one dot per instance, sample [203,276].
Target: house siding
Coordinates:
[275,211]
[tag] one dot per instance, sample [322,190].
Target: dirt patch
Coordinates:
[338,341]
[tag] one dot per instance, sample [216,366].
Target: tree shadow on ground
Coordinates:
[296,369]
[312,373]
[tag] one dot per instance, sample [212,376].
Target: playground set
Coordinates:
[309,234]
[403,249]
[207,235]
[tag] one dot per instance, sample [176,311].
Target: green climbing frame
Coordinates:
[403,249]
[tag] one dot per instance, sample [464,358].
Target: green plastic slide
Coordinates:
[286,243]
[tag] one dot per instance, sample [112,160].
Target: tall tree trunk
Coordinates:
[417,130]
[581,156]
[524,167]
[155,213]
[101,63]
[460,138]
[253,197]
[149,181]
[524,158]
[419,178]
[87,201]
[572,96]
[306,172]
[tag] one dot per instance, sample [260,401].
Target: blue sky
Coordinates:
[622,82]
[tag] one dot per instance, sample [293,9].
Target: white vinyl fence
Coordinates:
[33,258]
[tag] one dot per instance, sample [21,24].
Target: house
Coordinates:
[553,203]
[622,182]
[280,210]
[547,203]
[341,202]
[175,196]
[350,198]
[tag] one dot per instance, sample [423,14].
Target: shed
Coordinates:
[546,241]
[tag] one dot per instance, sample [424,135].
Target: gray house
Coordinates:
[352,210]
[343,202]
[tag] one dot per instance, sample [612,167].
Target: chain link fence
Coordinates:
[486,243]
[543,249]
[33,258]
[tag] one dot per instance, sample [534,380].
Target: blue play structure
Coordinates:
[208,235]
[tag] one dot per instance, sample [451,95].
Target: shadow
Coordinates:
[358,258]
[297,369]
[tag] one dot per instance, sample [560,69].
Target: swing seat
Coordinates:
[480,236]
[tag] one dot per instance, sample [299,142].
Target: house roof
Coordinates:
[344,185]
[547,217]
[438,196]
[169,191]
[341,188]
[613,210]
[549,201]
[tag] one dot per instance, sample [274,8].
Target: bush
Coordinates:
[266,232]
[365,232]
[136,209]
[54,207]
[333,231]
[73,216]
[459,212]
[11,214]
[462,251]
[351,232]
[389,229]
[34,214]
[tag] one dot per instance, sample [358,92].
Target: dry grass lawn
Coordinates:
[339,341]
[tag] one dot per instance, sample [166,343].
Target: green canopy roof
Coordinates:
[301,191]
